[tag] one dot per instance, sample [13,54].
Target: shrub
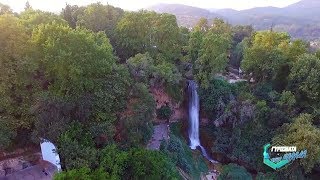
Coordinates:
[175,91]
[164,112]
[184,164]
[277,118]
[82,173]
[218,91]
[138,126]
[7,134]
[262,91]
[180,153]
[233,171]
[269,176]
[76,147]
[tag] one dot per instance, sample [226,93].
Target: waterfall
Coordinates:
[193,115]
[194,119]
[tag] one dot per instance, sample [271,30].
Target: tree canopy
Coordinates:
[305,136]
[95,79]
[145,31]
[208,49]
[304,76]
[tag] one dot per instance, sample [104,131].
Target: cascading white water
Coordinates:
[194,119]
[193,115]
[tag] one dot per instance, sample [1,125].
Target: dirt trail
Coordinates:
[161,132]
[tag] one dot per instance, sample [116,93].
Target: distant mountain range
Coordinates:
[301,20]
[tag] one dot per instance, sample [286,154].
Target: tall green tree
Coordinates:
[208,49]
[15,97]
[133,164]
[76,147]
[147,164]
[7,133]
[241,32]
[145,31]
[153,71]
[291,52]
[294,49]
[305,136]
[69,13]
[166,36]
[5,9]
[32,18]
[213,57]
[72,61]
[27,6]
[318,54]
[202,25]
[185,34]
[222,28]
[196,37]
[305,76]
[233,171]
[217,92]
[73,64]
[134,32]
[83,173]
[194,47]
[137,122]
[265,56]
[241,36]
[98,17]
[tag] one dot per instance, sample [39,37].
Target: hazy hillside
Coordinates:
[301,20]
[308,9]
[186,15]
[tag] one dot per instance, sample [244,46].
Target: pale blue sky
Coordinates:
[57,5]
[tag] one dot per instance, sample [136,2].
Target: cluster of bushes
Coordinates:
[164,112]
[180,153]
[112,163]
[233,171]
[218,92]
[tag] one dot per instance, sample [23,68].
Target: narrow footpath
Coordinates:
[161,132]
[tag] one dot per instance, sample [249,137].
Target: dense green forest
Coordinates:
[82,80]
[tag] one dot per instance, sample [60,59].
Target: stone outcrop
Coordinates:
[234,113]
[12,165]
[163,99]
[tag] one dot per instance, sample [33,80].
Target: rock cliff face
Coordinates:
[236,112]
[232,113]
[162,99]
[21,159]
